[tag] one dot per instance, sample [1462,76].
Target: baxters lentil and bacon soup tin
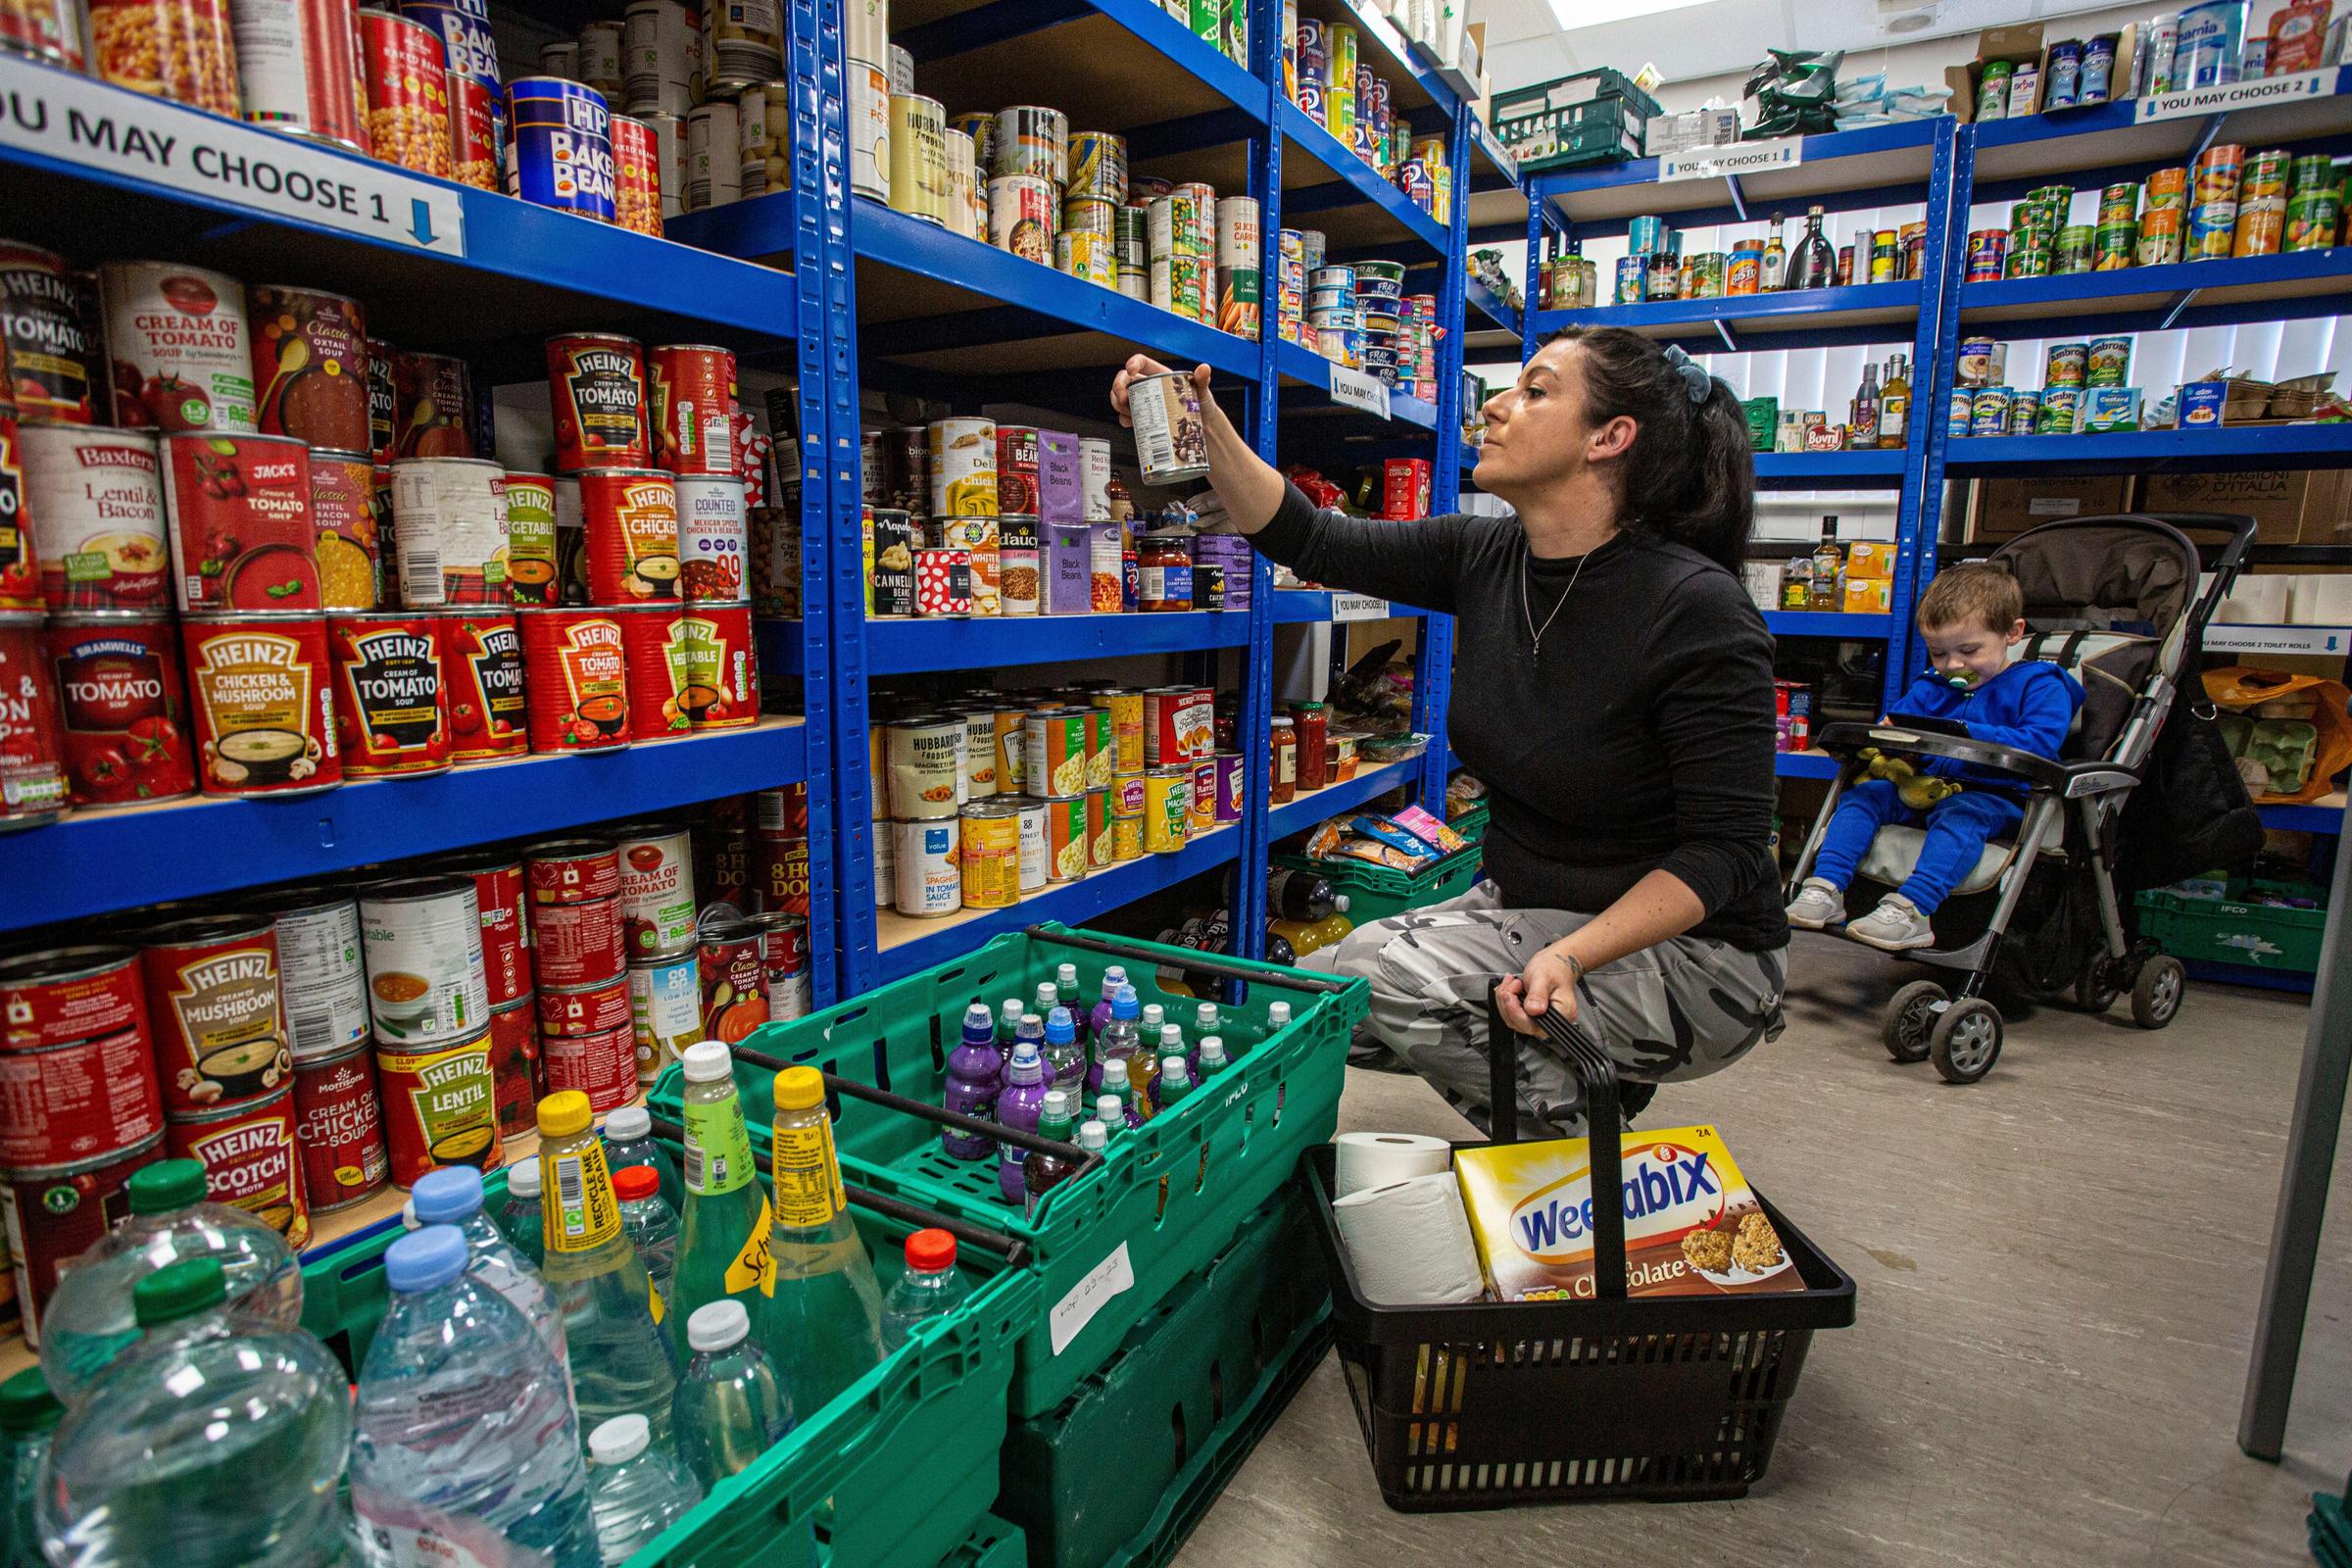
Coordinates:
[178,342]
[261,700]
[250,1161]
[449,525]
[241,511]
[125,710]
[596,381]
[215,1012]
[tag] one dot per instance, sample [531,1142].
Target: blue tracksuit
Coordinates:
[2027,708]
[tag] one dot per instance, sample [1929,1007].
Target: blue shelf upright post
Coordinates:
[1919,517]
[1432,673]
[1249,909]
[1537,225]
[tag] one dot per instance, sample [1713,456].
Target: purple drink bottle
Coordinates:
[973,1070]
[1019,1104]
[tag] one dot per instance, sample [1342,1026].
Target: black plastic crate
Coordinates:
[1659,1398]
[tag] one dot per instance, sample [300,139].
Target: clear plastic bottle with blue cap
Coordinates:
[1113,977]
[1118,1041]
[974,1068]
[637,1488]
[453,1195]
[214,1441]
[466,1435]
[729,1407]
[1065,1058]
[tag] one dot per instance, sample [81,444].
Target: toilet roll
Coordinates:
[1375,1159]
[1410,1243]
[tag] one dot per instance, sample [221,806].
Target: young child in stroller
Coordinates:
[1970,618]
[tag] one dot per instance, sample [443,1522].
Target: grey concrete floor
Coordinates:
[2056,1272]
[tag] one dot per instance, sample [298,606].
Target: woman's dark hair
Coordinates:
[1691,476]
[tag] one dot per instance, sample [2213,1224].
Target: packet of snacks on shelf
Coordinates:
[1428,830]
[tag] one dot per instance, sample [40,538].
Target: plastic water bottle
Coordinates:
[629,1141]
[1113,977]
[722,1245]
[1008,1023]
[1110,1110]
[465,1433]
[930,1288]
[651,1225]
[973,1070]
[519,1218]
[1049,997]
[90,1321]
[825,1322]
[636,1489]
[28,1415]
[1065,1058]
[1117,1039]
[453,1195]
[1042,1172]
[1213,1057]
[1019,1104]
[729,1407]
[1278,1017]
[621,1362]
[213,1443]
[1175,1083]
[1093,1135]
[1065,982]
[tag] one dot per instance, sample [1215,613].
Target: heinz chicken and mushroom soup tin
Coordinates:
[596,381]
[94,498]
[422,938]
[240,515]
[215,1010]
[178,343]
[261,696]
[449,528]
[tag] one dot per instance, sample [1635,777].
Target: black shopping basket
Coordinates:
[1663,1399]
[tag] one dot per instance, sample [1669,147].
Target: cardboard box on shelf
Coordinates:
[1868,595]
[2000,509]
[2289,506]
[1870,558]
[2020,45]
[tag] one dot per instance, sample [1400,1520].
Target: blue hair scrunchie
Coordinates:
[1694,376]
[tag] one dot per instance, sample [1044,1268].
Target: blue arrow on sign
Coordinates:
[421,222]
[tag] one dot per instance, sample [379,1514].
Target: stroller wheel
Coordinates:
[1967,1040]
[1910,1019]
[2094,992]
[2157,994]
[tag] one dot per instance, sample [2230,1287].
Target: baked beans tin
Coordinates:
[344,528]
[215,1010]
[963,469]
[339,1129]
[531,538]
[632,522]
[250,1161]
[602,1065]
[407,72]
[449,528]
[637,183]
[989,851]
[432,406]
[124,726]
[261,694]
[474,141]
[926,867]
[589,1009]
[514,1067]
[561,155]
[713,537]
[1168,808]
[50,357]
[56,997]
[1054,743]
[440,1107]
[732,967]
[423,937]
[506,932]
[694,397]
[577,944]
[322,983]
[391,703]
[482,671]
[925,759]
[1016,468]
[576,677]
[54,1213]
[890,582]
[42,29]
[654,649]
[310,365]
[240,521]
[176,339]
[78,1101]
[1098,828]
[596,381]
[665,1007]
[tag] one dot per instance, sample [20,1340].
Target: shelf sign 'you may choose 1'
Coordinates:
[111,133]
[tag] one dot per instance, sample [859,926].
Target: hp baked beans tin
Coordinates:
[310,365]
[424,942]
[732,956]
[79,1100]
[505,935]
[55,1212]
[240,510]
[632,521]
[448,529]
[339,1129]
[249,1160]
[721,689]
[440,1107]
[32,736]
[94,498]
[391,704]
[323,980]
[176,338]
[515,1066]
[481,670]
[657,889]
[68,994]
[653,647]
[694,408]
[261,694]
[575,672]
[562,154]
[215,1012]
[665,1008]
[596,381]
[577,944]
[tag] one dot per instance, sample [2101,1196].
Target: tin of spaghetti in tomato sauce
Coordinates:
[665,1007]
[339,1129]
[261,700]
[577,944]
[657,887]
[653,644]
[391,704]
[249,1160]
[432,406]
[55,1212]
[344,532]
[215,1010]
[322,977]
[732,959]
[596,381]
[577,678]
[713,537]
[61,994]
[49,354]
[423,936]
[531,538]
[77,1101]
[177,342]
[602,1065]
[440,1107]
[449,518]
[515,1066]
[481,668]
[694,408]
[721,690]
[498,896]
[310,365]
[241,511]
[32,738]
[632,521]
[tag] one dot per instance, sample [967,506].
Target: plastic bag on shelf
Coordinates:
[1794,91]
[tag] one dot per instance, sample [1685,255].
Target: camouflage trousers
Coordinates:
[1684,1008]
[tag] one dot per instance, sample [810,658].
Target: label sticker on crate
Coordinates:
[109,131]
[1357,390]
[2237,95]
[1739,158]
[1071,1314]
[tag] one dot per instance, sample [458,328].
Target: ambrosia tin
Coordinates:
[261,696]
[440,1107]
[249,1160]
[597,383]
[66,1102]
[575,670]
[310,365]
[339,1129]
[632,522]
[449,528]
[94,499]
[694,408]
[125,721]
[240,509]
[56,997]
[215,1012]
[344,532]
[425,975]
[391,704]
[481,673]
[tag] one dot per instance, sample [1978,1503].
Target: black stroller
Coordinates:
[2114,601]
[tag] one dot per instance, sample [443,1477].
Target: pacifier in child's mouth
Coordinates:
[1961,680]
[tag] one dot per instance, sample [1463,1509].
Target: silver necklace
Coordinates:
[1535,633]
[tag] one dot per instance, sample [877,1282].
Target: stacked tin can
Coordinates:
[865,91]
[1332,316]
[1379,302]
[2033,227]
[1087,244]
[1417,347]
[1290,285]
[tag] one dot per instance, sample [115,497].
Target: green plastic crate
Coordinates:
[1172,1416]
[927,1423]
[993,1543]
[1108,1245]
[1471,825]
[1376,892]
[2254,936]
[1592,116]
